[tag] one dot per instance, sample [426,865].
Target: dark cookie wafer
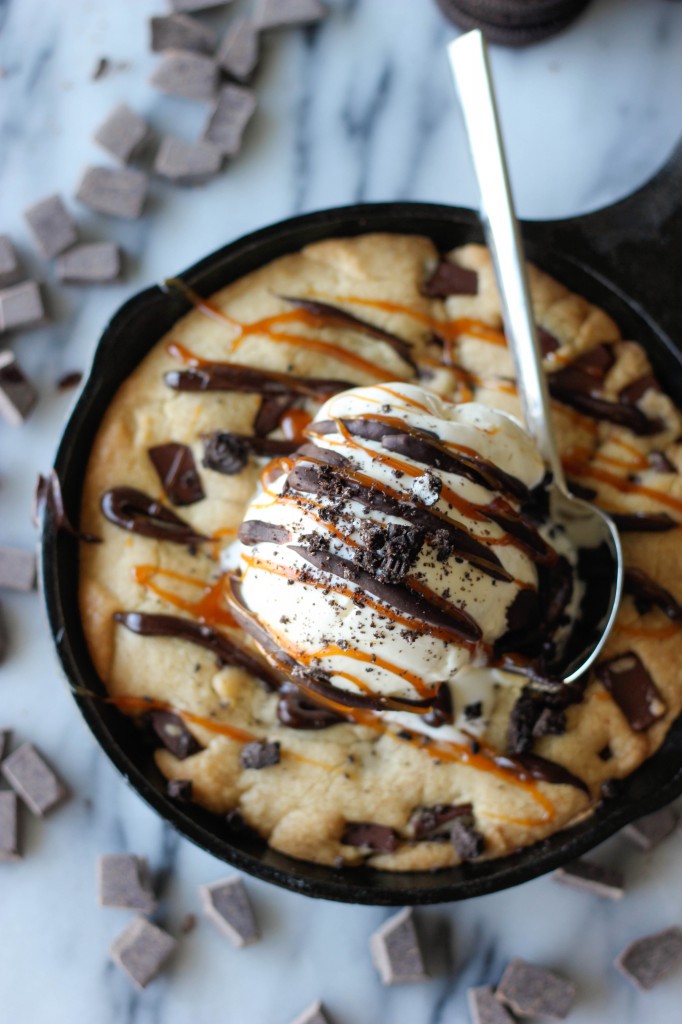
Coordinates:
[508,35]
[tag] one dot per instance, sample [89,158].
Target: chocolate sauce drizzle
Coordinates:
[246,379]
[643,522]
[138,512]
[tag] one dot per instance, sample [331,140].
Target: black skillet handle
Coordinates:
[636,243]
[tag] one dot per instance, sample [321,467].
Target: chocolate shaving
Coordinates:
[177,472]
[298,711]
[366,834]
[643,522]
[138,512]
[174,734]
[634,691]
[450,279]
[646,592]
[48,501]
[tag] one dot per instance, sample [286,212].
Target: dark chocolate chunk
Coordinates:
[396,951]
[548,343]
[177,472]
[542,769]
[69,380]
[116,191]
[271,14]
[298,711]
[225,453]
[313,1014]
[634,691]
[533,991]
[634,391]
[33,780]
[52,226]
[10,846]
[468,842]
[428,822]
[484,1007]
[197,5]
[174,734]
[181,32]
[227,122]
[260,754]
[123,881]
[92,263]
[187,163]
[10,268]
[442,711]
[21,307]
[180,790]
[643,522]
[123,133]
[136,511]
[522,720]
[141,951]
[646,593]
[227,905]
[17,394]
[17,568]
[238,53]
[551,722]
[596,879]
[649,831]
[473,710]
[193,76]
[450,279]
[370,836]
[647,961]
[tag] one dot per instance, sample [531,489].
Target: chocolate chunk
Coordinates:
[135,511]
[33,779]
[652,829]
[552,722]
[193,76]
[426,489]
[314,1014]
[181,32]
[288,13]
[21,307]
[197,5]
[92,263]
[17,568]
[5,739]
[548,343]
[593,878]
[180,790]
[52,226]
[367,834]
[638,388]
[396,952]
[17,394]
[643,522]
[227,122]
[227,904]
[118,192]
[174,734]
[10,846]
[187,163]
[260,754]
[10,268]
[428,822]
[468,842]
[647,592]
[141,951]
[123,881]
[177,472]
[633,689]
[522,720]
[450,279]
[647,961]
[298,711]
[473,710]
[238,53]
[225,453]
[484,1007]
[533,991]
[123,133]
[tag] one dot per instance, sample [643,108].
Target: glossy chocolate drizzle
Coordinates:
[643,522]
[235,377]
[138,512]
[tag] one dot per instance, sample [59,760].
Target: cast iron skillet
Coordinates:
[622,258]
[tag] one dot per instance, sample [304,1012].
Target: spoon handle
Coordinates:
[468,57]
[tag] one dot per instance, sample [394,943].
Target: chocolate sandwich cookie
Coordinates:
[509,23]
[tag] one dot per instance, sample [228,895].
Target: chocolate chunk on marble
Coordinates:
[632,688]
[116,191]
[596,879]
[4,645]
[17,394]
[174,734]
[123,881]
[396,952]
[5,740]
[228,119]
[187,163]
[192,76]
[10,268]
[238,53]
[91,263]
[197,5]
[33,780]
[532,991]
[177,471]
[21,307]
[648,960]
[652,829]
[314,1014]
[123,133]
[260,754]
[141,951]
[52,226]
[484,1008]
[181,32]
[10,846]
[288,13]
[450,279]
[227,905]
[17,568]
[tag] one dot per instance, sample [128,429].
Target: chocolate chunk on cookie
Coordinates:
[177,472]
[10,268]
[260,754]
[227,122]
[634,691]
[367,834]
[92,263]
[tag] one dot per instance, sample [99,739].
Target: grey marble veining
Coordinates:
[360,110]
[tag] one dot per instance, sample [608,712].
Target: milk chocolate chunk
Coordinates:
[633,689]
[21,307]
[227,122]
[32,779]
[468,842]
[379,838]
[260,754]
[396,951]
[118,192]
[141,951]
[10,268]
[123,881]
[652,829]
[647,961]
[192,76]
[314,1014]
[227,905]
[450,279]
[238,53]
[597,879]
[10,847]
[17,394]
[92,263]
[52,226]
[288,13]
[484,1008]
[181,32]
[17,568]
[174,734]
[180,790]
[533,991]
[123,133]
[177,472]
[187,163]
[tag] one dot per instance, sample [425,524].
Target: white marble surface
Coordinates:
[360,110]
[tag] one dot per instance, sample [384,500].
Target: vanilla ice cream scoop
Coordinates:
[405,543]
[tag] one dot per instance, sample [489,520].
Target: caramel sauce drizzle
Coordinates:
[209,609]
[447,329]
[333,650]
[577,467]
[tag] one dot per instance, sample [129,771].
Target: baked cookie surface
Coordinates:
[178,458]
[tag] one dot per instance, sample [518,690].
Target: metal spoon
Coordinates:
[585,525]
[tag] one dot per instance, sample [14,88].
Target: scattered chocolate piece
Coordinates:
[188,924]
[428,822]
[21,307]
[396,952]
[17,394]
[118,192]
[123,133]
[32,779]
[484,1008]
[69,380]
[174,734]
[533,991]
[238,53]
[260,754]
[177,472]
[49,501]
[468,842]
[92,263]
[649,831]
[10,847]
[52,226]
[378,838]
[228,119]
[226,903]
[123,881]
[648,960]
[187,163]
[181,32]
[192,76]
[5,738]
[180,790]
[17,568]
[272,14]
[314,1014]
[593,878]
[141,951]
[633,690]
[10,268]
[450,279]
[197,5]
